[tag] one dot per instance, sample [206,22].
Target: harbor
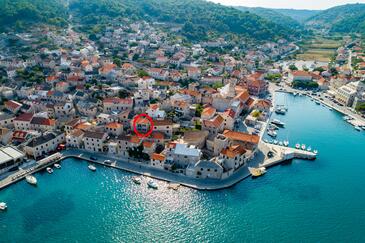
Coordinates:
[304,189]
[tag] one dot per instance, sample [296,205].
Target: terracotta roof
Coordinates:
[107,68]
[157,135]
[12,104]
[301,73]
[208,111]
[215,122]
[43,121]
[242,96]
[115,100]
[230,113]
[263,103]
[24,117]
[233,151]
[241,136]
[148,144]
[159,157]
[162,123]
[114,125]
[77,133]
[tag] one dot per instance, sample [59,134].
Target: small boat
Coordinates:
[315,151]
[49,170]
[278,123]
[31,179]
[273,127]
[255,172]
[286,143]
[357,128]
[295,94]
[297,146]
[309,149]
[317,102]
[303,146]
[363,127]
[281,143]
[275,142]
[280,111]
[137,180]
[3,206]
[58,166]
[152,184]
[265,140]
[346,118]
[91,167]
[272,133]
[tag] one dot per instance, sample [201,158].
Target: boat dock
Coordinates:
[38,166]
[282,154]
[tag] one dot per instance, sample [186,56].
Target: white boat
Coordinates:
[346,118]
[286,143]
[297,146]
[255,172]
[137,180]
[265,140]
[309,149]
[91,167]
[315,151]
[31,179]
[49,170]
[272,133]
[152,184]
[108,162]
[281,143]
[3,206]
[303,146]
[58,166]
[278,122]
[275,142]
[280,111]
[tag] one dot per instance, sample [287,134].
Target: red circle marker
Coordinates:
[142,135]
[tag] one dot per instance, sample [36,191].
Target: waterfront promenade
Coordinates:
[146,170]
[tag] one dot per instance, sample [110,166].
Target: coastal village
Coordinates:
[209,102]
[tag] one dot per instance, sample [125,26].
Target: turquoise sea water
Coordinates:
[306,201]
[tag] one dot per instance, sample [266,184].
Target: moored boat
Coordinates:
[31,179]
[303,146]
[91,167]
[152,184]
[255,172]
[58,166]
[357,128]
[278,123]
[137,180]
[286,143]
[272,133]
[3,206]
[49,170]
[297,146]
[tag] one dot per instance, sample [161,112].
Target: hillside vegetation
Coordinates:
[274,16]
[348,18]
[198,18]
[21,13]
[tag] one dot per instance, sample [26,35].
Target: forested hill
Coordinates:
[344,19]
[21,13]
[273,15]
[199,18]
[300,15]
